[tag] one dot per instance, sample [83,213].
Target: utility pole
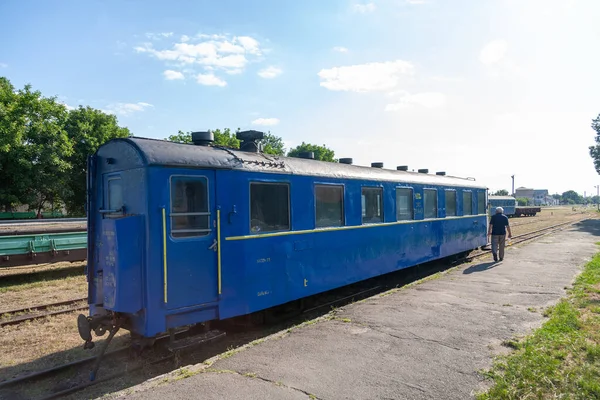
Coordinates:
[513,185]
[598,195]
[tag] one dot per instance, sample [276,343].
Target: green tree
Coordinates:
[595,149]
[572,197]
[322,153]
[501,192]
[225,138]
[34,148]
[522,201]
[87,129]
[556,196]
[12,130]
[181,137]
[273,145]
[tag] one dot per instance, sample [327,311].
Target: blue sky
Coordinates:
[476,88]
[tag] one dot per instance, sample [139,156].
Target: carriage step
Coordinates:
[195,340]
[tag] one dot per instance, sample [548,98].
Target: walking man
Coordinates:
[497,230]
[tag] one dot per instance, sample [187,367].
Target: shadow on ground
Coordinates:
[480,267]
[589,225]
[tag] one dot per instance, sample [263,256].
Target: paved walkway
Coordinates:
[423,342]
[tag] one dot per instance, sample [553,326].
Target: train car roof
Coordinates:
[162,152]
[501,198]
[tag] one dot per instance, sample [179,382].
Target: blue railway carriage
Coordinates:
[181,234]
[508,203]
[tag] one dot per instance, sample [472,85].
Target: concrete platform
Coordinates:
[427,341]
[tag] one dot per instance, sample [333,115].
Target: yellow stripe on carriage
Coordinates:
[219,248]
[345,228]
[164,226]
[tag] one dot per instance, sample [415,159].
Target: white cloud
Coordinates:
[3,65]
[158,36]
[340,49]
[440,78]
[210,80]
[415,1]
[266,121]
[425,99]
[127,108]
[68,107]
[369,77]
[270,72]
[249,44]
[171,75]
[493,52]
[230,54]
[363,8]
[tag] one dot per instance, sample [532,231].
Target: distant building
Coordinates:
[526,193]
[537,197]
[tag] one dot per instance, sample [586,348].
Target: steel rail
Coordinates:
[28,317]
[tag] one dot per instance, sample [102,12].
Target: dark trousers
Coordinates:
[498,242]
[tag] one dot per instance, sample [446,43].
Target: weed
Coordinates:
[513,344]
[562,358]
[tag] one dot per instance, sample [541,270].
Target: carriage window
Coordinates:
[372,205]
[450,203]
[430,203]
[467,203]
[115,198]
[481,202]
[329,205]
[269,207]
[404,204]
[190,216]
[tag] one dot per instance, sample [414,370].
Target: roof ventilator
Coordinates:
[250,141]
[202,138]
[345,161]
[307,154]
[377,164]
[423,171]
[402,167]
[440,173]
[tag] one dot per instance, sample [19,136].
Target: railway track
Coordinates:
[19,316]
[342,296]
[528,236]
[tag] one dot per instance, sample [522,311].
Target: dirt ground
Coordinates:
[51,341]
[44,343]
[22,287]
[550,216]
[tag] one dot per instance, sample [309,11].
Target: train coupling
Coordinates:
[99,324]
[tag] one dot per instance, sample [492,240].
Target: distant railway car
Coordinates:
[181,234]
[510,206]
[508,203]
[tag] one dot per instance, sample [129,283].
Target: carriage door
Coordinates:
[191,259]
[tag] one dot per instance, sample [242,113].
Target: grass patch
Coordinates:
[562,358]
